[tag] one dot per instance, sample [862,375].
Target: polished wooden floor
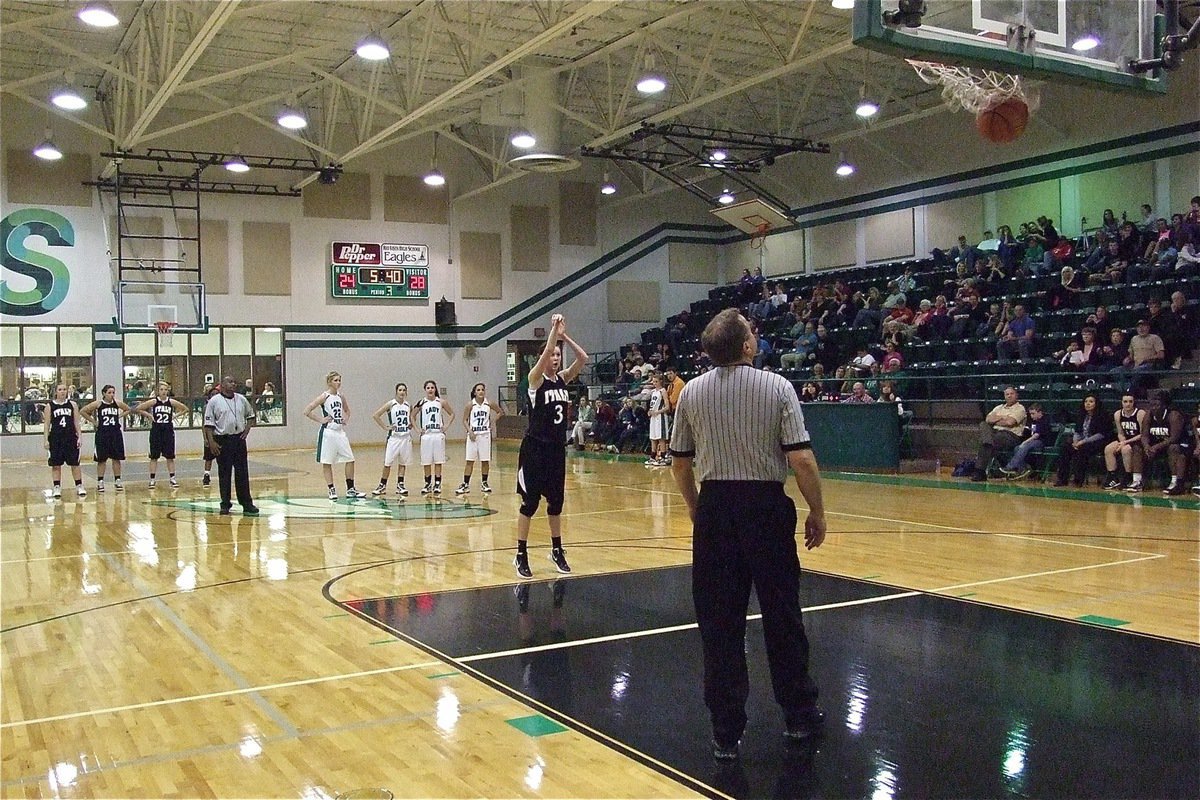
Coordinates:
[152,648]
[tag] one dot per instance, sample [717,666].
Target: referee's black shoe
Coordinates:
[805,726]
[560,560]
[521,562]
[722,752]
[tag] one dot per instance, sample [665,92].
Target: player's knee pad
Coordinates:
[529,506]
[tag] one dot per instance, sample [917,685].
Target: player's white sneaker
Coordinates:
[437,487]
[174,483]
[79,490]
[333,494]
[485,488]
[153,483]
[463,488]
[120,487]
[402,490]
[378,490]
[355,494]
[99,486]
[57,492]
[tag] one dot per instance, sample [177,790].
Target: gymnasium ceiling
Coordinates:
[457,67]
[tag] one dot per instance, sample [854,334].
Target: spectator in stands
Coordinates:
[1065,293]
[893,359]
[996,271]
[860,365]
[634,427]
[1109,223]
[826,353]
[1093,259]
[779,299]
[848,306]
[1164,435]
[1146,227]
[605,430]
[1048,237]
[899,319]
[1100,320]
[1129,243]
[858,394]
[1113,354]
[1146,353]
[894,297]
[907,283]
[1039,436]
[585,422]
[802,349]
[941,320]
[761,309]
[1018,336]
[871,313]
[969,318]
[1001,429]
[921,322]
[1008,248]
[1112,267]
[1129,422]
[1086,356]
[1187,260]
[1093,430]
[765,351]
[1182,329]
[872,381]
[810,393]
[887,394]
[1193,215]
[1034,256]
[677,331]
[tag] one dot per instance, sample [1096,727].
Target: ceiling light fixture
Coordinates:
[844,167]
[237,164]
[1084,43]
[608,187]
[434,177]
[866,107]
[67,98]
[843,5]
[726,197]
[717,154]
[46,150]
[98,14]
[292,119]
[651,82]
[523,139]
[373,48]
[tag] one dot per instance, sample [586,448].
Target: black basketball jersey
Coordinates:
[62,422]
[162,415]
[1130,426]
[108,418]
[549,404]
[1158,426]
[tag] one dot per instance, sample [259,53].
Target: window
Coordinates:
[33,360]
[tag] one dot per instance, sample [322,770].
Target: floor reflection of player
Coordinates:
[545,674]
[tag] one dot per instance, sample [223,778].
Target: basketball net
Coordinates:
[166,330]
[973,89]
[759,236]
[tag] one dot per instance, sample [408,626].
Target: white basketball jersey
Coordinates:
[399,418]
[481,417]
[431,415]
[333,408]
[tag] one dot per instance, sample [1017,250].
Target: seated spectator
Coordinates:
[1193,215]
[826,353]
[585,421]
[1065,293]
[996,272]
[1034,256]
[860,365]
[1109,223]
[1039,437]
[1099,320]
[605,430]
[634,425]
[810,393]
[899,319]
[858,394]
[969,319]
[1097,250]
[1146,353]
[1093,430]
[1187,259]
[1164,436]
[1113,354]
[779,299]
[1182,331]
[1010,250]
[1128,243]
[921,320]
[1017,337]
[762,358]
[762,308]
[1002,428]
[887,394]
[894,297]
[1129,422]
[802,349]
[870,315]
[907,283]
[893,360]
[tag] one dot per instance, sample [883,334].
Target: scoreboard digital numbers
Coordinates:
[379,271]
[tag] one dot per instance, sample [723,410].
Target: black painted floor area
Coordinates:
[925,697]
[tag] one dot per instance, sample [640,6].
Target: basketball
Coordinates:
[1004,121]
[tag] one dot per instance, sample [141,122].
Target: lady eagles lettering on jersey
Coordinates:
[332,407]
[431,416]
[481,418]
[398,417]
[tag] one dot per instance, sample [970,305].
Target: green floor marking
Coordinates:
[444,675]
[868,577]
[968,594]
[536,725]
[333,616]
[386,641]
[1107,622]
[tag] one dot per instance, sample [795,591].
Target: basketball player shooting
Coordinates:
[542,462]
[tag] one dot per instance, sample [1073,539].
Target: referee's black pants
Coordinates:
[232,462]
[745,534]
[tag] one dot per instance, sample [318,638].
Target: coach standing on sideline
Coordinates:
[744,429]
[228,417]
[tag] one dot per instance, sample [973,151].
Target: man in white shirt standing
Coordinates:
[228,418]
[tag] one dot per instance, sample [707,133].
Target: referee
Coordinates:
[739,430]
[228,418]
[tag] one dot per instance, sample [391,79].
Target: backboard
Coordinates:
[1081,41]
[141,304]
[749,216]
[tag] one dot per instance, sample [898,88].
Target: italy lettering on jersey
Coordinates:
[548,405]
[161,414]
[109,415]
[481,417]
[1159,429]
[62,421]
[431,415]
[1130,426]
[333,408]
[399,418]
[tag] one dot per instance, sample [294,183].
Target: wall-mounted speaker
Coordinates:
[443,313]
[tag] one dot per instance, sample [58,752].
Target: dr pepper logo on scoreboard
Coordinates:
[375,254]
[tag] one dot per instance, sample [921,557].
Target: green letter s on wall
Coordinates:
[51,277]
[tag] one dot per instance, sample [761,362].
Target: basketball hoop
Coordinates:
[973,89]
[760,235]
[166,329]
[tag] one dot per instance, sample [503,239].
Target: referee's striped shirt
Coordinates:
[737,422]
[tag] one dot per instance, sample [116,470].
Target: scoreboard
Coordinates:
[374,270]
